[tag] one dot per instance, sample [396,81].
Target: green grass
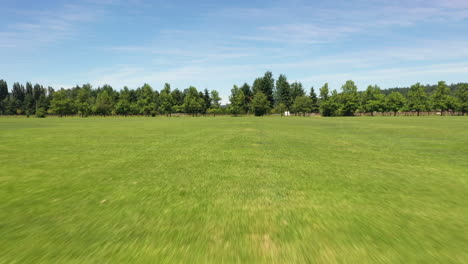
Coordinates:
[250,190]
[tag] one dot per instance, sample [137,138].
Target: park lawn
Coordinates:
[234,189]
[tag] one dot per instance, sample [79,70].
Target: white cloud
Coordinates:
[39,28]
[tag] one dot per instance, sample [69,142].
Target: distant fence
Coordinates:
[409,113]
[412,113]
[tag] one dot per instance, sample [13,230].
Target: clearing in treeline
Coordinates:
[226,189]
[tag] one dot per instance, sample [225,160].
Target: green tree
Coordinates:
[248,95]
[61,104]
[3,96]
[215,99]
[395,101]
[28,99]
[324,92]
[39,94]
[166,102]
[124,105]
[441,98]
[3,90]
[146,101]
[178,98]
[296,91]
[28,104]
[103,105]
[280,109]
[417,98]
[40,112]
[349,99]
[18,93]
[283,91]
[237,100]
[314,106]
[207,99]
[302,105]
[215,103]
[461,95]
[331,105]
[260,104]
[373,100]
[193,104]
[84,101]
[266,85]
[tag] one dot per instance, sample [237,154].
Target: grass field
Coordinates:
[225,189]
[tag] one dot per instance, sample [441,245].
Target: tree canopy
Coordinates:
[264,95]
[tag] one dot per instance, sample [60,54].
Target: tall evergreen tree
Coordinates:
[18,92]
[248,96]
[3,96]
[28,99]
[266,85]
[283,91]
[206,97]
[314,106]
[296,91]
[3,90]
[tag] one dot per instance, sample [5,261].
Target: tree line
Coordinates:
[264,96]
[84,100]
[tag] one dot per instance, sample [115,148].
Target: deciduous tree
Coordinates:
[462,98]
[349,99]
[237,100]
[417,98]
[395,101]
[373,100]
[441,98]
[302,105]
[260,104]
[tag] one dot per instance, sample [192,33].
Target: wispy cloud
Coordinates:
[41,27]
[300,33]
[325,24]
[216,45]
[423,59]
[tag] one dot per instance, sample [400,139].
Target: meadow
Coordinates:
[234,190]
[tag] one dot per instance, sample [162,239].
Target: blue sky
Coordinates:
[215,44]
